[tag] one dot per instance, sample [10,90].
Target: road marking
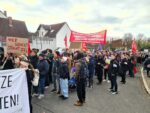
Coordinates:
[145,83]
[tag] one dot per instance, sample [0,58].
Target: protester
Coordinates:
[50,57]
[8,62]
[43,68]
[106,69]
[91,67]
[81,79]
[114,68]
[99,68]
[124,68]
[147,66]
[64,75]
[55,72]
[23,62]
[33,58]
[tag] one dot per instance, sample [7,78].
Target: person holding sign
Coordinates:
[8,62]
[23,62]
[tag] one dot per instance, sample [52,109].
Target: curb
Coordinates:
[144,82]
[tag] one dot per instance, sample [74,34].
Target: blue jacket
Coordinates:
[91,65]
[43,68]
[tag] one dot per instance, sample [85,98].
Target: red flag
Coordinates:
[84,47]
[29,50]
[134,46]
[65,41]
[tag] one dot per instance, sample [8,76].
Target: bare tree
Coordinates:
[140,36]
[127,38]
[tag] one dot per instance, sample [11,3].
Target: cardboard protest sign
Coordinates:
[13,91]
[17,45]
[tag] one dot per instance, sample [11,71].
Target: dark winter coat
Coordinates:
[34,61]
[99,64]
[9,64]
[91,65]
[30,76]
[114,67]
[147,62]
[56,66]
[124,65]
[43,68]
[64,70]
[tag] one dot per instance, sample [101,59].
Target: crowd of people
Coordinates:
[69,70]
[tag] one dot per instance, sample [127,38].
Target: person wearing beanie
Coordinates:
[43,68]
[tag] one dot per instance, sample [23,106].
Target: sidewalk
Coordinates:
[146,81]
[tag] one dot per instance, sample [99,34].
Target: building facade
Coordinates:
[12,28]
[51,36]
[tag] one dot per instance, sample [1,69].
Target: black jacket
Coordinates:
[30,76]
[124,65]
[9,64]
[64,70]
[34,61]
[147,62]
[99,64]
[56,66]
[114,67]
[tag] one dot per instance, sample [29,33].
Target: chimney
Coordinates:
[10,21]
[5,13]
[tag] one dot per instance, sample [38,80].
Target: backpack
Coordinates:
[84,72]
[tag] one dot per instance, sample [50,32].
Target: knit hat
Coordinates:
[41,54]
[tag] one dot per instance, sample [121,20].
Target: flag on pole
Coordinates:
[84,47]
[29,50]
[65,41]
[134,46]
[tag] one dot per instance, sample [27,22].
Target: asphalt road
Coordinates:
[132,98]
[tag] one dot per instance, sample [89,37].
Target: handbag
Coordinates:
[35,81]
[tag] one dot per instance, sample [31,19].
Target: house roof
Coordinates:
[18,28]
[2,15]
[52,29]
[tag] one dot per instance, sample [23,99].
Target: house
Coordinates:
[3,14]
[12,28]
[51,36]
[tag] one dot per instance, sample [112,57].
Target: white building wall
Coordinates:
[43,44]
[64,32]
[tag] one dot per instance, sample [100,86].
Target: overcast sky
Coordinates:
[117,16]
